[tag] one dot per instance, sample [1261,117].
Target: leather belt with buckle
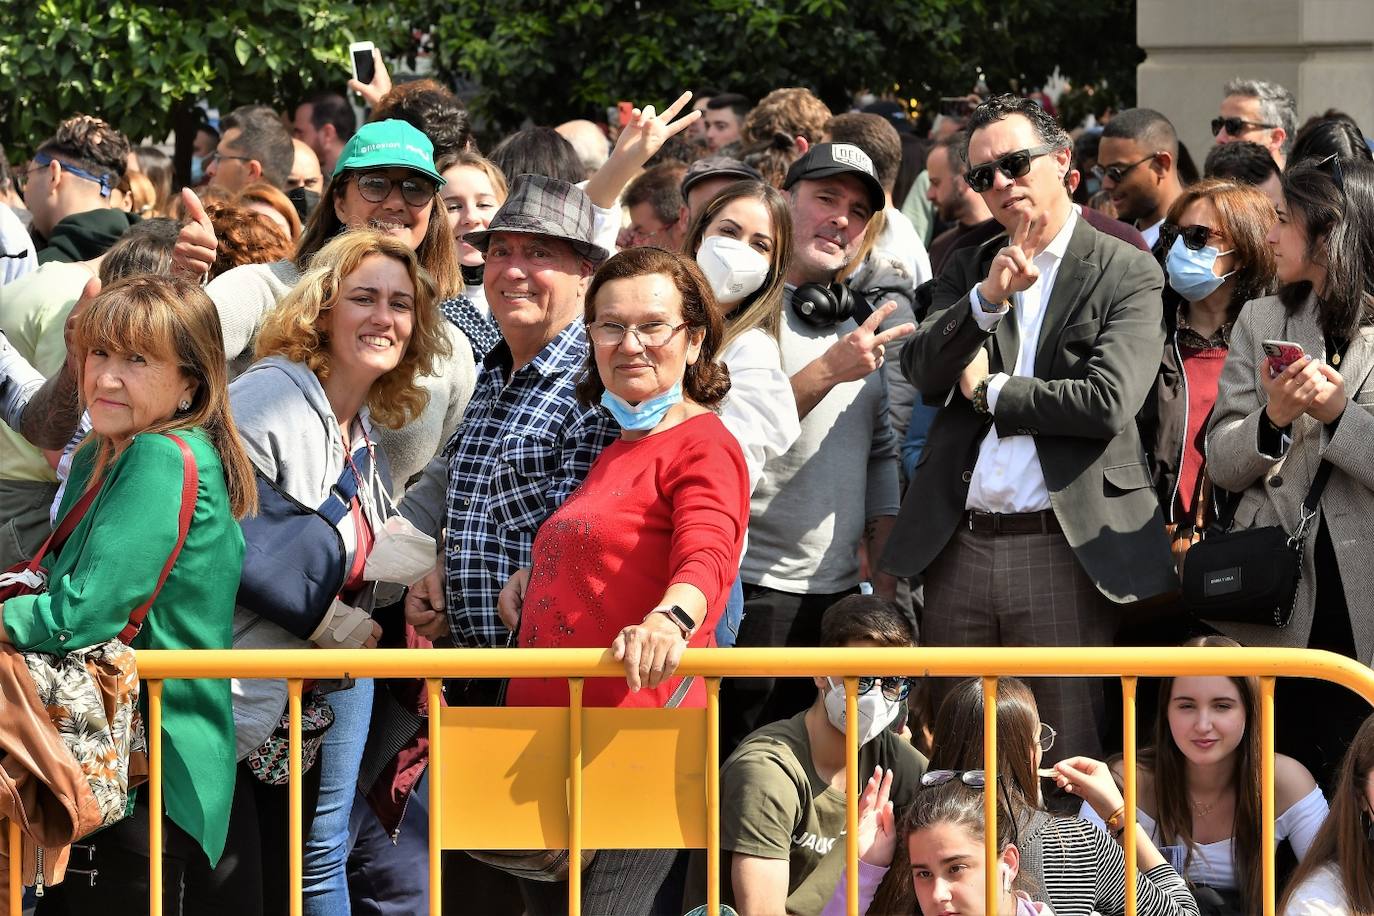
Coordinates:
[998,523]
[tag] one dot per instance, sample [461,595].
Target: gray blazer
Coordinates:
[1272,490]
[1097,357]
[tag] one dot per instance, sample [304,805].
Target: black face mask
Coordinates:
[304,200]
[472,274]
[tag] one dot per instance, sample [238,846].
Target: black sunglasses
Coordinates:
[1195,238]
[1118,173]
[375,187]
[1237,126]
[1013,165]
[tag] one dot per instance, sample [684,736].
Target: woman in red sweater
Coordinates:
[641,557]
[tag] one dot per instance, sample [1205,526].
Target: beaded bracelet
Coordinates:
[980,396]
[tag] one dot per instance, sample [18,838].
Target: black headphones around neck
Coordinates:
[821,305]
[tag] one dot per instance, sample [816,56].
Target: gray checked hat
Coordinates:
[540,205]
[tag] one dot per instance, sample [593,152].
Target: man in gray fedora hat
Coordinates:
[525,443]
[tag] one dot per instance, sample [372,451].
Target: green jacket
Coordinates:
[83,236]
[109,566]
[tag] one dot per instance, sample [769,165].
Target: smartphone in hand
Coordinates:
[1281,354]
[360,56]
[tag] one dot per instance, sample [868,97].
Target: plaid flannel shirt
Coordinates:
[522,448]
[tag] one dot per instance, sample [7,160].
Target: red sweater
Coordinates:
[1202,368]
[668,508]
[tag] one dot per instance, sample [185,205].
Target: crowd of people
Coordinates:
[734,373]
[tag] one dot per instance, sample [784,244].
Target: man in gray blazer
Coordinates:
[1031,513]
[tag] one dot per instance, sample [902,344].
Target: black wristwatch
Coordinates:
[677,615]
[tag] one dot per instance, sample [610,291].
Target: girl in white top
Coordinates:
[1336,877]
[742,240]
[1199,786]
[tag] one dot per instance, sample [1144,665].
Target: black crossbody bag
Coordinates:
[1250,576]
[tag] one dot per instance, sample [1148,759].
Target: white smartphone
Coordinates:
[360,56]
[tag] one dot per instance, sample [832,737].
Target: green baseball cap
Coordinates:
[389,145]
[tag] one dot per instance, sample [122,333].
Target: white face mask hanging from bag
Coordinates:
[401,553]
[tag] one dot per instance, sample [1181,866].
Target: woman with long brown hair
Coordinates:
[1337,874]
[1198,788]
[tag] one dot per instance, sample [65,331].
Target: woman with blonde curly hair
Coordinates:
[344,351]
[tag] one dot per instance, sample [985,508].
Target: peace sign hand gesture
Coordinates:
[864,349]
[639,140]
[1013,270]
[647,132]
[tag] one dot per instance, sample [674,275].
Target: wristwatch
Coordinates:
[677,615]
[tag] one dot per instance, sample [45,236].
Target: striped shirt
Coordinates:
[1083,871]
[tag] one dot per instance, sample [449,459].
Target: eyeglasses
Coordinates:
[43,160]
[1195,238]
[895,688]
[375,187]
[1013,165]
[216,156]
[1047,736]
[1117,173]
[1237,126]
[974,779]
[649,334]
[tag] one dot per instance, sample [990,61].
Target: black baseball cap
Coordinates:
[825,160]
[717,167]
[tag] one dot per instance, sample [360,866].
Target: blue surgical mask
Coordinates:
[197,169]
[646,414]
[1190,272]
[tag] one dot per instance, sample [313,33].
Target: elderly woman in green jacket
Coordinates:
[152,363]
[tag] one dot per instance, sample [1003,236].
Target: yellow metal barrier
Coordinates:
[594,729]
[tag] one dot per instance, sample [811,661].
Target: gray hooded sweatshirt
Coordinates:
[291,435]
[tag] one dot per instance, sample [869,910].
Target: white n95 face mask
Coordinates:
[401,553]
[733,269]
[876,711]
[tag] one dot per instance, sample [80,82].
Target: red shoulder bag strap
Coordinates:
[64,528]
[190,484]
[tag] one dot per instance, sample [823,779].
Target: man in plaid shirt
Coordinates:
[525,443]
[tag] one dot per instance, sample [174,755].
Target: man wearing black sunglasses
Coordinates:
[1137,163]
[1030,514]
[1258,111]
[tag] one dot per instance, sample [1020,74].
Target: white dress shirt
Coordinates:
[1151,233]
[1007,476]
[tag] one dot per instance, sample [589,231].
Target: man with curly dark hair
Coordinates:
[68,187]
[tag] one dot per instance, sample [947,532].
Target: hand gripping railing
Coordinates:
[577,664]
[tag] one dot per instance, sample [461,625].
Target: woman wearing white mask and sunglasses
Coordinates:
[742,241]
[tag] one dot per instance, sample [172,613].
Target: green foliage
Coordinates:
[554,59]
[134,62]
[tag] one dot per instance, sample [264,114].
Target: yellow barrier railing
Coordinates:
[577,664]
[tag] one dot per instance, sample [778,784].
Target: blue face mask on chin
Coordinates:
[1191,272]
[646,414]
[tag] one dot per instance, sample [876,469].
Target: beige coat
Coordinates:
[1272,491]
